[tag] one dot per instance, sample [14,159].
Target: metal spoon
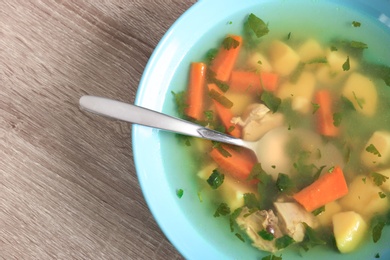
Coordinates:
[143,116]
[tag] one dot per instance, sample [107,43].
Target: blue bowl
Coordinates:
[163,165]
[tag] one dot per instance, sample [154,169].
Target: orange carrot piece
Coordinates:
[253,81]
[269,81]
[225,114]
[245,81]
[196,90]
[225,60]
[329,187]
[238,165]
[324,114]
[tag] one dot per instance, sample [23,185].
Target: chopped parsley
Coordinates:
[220,98]
[318,211]
[315,107]
[318,60]
[346,65]
[311,238]
[256,25]
[180,101]
[239,236]
[251,201]
[179,193]
[230,43]
[216,179]
[378,178]
[333,48]
[222,210]
[184,139]
[264,234]
[285,184]
[364,180]
[221,150]
[337,117]
[289,36]
[347,104]
[382,195]
[283,242]
[356,24]
[372,149]
[358,45]
[233,217]
[271,101]
[377,255]
[377,230]
[211,54]
[359,101]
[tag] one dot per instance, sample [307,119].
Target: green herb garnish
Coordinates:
[211,54]
[233,217]
[239,236]
[250,201]
[271,101]
[347,104]
[219,147]
[356,24]
[222,210]
[230,43]
[283,242]
[333,48]
[220,98]
[317,60]
[377,230]
[179,193]
[318,211]
[359,101]
[377,255]
[358,45]
[180,101]
[200,197]
[289,36]
[382,195]
[311,238]
[264,234]
[372,149]
[284,183]
[216,179]
[346,65]
[315,107]
[337,117]
[297,72]
[378,178]
[256,25]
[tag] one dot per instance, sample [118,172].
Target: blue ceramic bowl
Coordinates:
[163,165]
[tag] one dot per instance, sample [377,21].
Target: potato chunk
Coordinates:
[349,229]
[363,198]
[361,91]
[283,58]
[301,92]
[310,50]
[380,141]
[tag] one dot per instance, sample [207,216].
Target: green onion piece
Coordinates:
[216,179]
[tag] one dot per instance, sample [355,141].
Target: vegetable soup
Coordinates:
[320,107]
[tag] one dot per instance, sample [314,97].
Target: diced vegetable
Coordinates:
[363,198]
[238,165]
[349,230]
[324,114]
[225,114]
[362,92]
[329,187]
[253,82]
[325,218]
[377,149]
[301,92]
[196,90]
[283,58]
[226,58]
[311,50]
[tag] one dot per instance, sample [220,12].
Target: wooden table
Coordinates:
[68,187]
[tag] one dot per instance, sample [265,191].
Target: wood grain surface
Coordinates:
[68,187]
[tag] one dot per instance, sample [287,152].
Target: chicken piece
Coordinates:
[257,120]
[291,216]
[258,221]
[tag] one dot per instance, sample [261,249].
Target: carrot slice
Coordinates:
[253,81]
[329,187]
[225,60]
[225,114]
[238,165]
[196,89]
[245,81]
[324,114]
[269,80]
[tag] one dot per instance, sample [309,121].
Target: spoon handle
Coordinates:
[143,116]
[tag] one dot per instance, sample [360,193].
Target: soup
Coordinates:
[320,108]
